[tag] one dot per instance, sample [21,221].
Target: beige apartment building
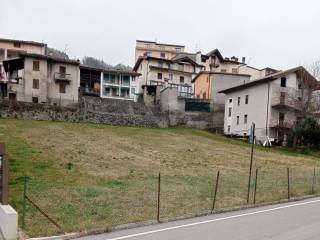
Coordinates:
[42,79]
[176,72]
[273,103]
[157,50]
[10,48]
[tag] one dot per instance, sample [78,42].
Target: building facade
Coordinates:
[177,72]
[42,79]
[119,84]
[10,48]
[273,103]
[108,83]
[207,86]
[157,50]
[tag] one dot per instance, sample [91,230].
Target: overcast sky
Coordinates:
[274,33]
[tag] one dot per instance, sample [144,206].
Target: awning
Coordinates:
[13,64]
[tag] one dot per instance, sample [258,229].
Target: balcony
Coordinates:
[285,101]
[282,124]
[62,77]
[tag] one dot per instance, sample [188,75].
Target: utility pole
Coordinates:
[251,140]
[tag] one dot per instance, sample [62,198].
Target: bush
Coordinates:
[307,133]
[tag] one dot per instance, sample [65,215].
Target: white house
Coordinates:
[273,103]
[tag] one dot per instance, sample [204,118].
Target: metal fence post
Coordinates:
[252,137]
[313,180]
[255,187]
[288,176]
[159,190]
[25,188]
[215,191]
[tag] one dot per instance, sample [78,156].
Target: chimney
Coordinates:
[198,57]
[243,59]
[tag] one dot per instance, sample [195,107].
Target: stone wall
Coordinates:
[108,111]
[113,112]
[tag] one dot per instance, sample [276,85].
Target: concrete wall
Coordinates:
[224,81]
[256,110]
[8,222]
[169,100]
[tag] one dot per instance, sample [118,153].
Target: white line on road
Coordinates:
[213,220]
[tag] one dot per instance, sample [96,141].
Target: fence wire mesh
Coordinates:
[122,201]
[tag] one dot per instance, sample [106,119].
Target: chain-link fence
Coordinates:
[122,201]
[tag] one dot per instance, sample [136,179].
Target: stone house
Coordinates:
[10,48]
[42,79]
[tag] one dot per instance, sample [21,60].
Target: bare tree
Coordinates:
[310,89]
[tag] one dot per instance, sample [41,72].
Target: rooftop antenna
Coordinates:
[65,48]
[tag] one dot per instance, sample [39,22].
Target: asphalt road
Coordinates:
[290,221]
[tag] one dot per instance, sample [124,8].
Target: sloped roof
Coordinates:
[219,73]
[22,41]
[267,79]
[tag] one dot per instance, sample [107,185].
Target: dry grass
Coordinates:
[89,176]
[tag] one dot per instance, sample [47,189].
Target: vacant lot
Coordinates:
[89,176]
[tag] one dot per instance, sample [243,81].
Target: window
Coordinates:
[17,45]
[207,79]
[162,47]
[133,91]
[159,75]
[36,66]
[247,99]
[239,100]
[282,97]
[238,119]
[162,55]
[223,70]
[178,49]
[283,82]
[35,84]
[229,128]
[203,60]
[229,112]
[35,99]
[180,67]
[62,87]
[245,120]
[147,54]
[160,63]
[170,76]
[281,117]
[230,100]
[62,69]
[148,45]
[204,95]
[235,70]
[181,79]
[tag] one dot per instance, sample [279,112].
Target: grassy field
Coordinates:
[88,176]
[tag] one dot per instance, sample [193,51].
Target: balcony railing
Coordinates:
[287,101]
[284,124]
[62,76]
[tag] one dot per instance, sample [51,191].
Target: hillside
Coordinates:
[89,176]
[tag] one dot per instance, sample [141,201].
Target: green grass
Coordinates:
[90,176]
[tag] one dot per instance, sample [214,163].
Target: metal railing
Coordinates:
[63,76]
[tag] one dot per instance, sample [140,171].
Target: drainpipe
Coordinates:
[268,100]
